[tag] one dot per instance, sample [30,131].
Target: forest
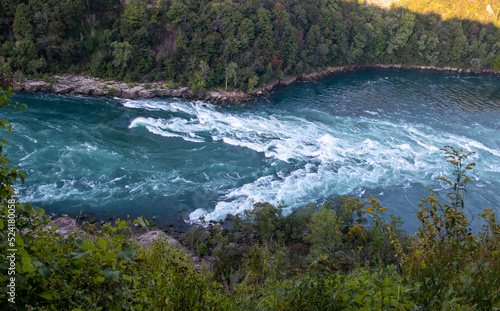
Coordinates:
[237,44]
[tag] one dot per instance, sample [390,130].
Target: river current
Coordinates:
[355,134]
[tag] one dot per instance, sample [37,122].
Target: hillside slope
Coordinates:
[241,44]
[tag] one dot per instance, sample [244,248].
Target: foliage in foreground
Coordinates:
[344,255]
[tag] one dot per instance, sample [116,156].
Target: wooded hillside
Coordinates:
[236,44]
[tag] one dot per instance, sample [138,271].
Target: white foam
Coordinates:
[347,156]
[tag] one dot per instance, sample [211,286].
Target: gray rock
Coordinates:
[131,92]
[83,90]
[149,237]
[65,226]
[214,95]
[164,92]
[62,89]
[180,91]
[37,86]
[147,93]
[100,92]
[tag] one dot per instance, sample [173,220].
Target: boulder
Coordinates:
[180,91]
[65,226]
[149,237]
[100,92]
[164,92]
[213,96]
[131,92]
[37,86]
[62,89]
[84,90]
[147,93]
[288,81]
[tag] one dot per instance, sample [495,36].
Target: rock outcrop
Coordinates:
[68,84]
[65,226]
[146,239]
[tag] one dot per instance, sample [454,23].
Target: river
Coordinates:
[356,134]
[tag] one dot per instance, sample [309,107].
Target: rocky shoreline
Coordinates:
[89,86]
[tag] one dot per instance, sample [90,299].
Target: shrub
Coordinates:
[449,265]
[325,231]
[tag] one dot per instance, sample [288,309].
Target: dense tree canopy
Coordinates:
[242,44]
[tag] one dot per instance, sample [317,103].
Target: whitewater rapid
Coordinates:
[341,156]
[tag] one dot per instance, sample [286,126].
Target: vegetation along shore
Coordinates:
[80,85]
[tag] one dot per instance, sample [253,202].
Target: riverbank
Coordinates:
[89,86]
[175,227]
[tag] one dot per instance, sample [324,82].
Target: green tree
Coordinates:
[136,28]
[122,54]
[177,12]
[231,73]
[496,64]
[325,231]
[25,53]
[252,82]
[264,29]
[22,27]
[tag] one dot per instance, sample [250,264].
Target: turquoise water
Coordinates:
[365,133]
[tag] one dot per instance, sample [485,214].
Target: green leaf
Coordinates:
[141,222]
[88,246]
[122,225]
[19,241]
[78,254]
[45,273]
[26,207]
[126,252]
[109,273]
[27,267]
[100,279]
[46,295]
[109,256]
[102,244]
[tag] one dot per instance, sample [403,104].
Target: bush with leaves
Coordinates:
[449,265]
[325,231]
